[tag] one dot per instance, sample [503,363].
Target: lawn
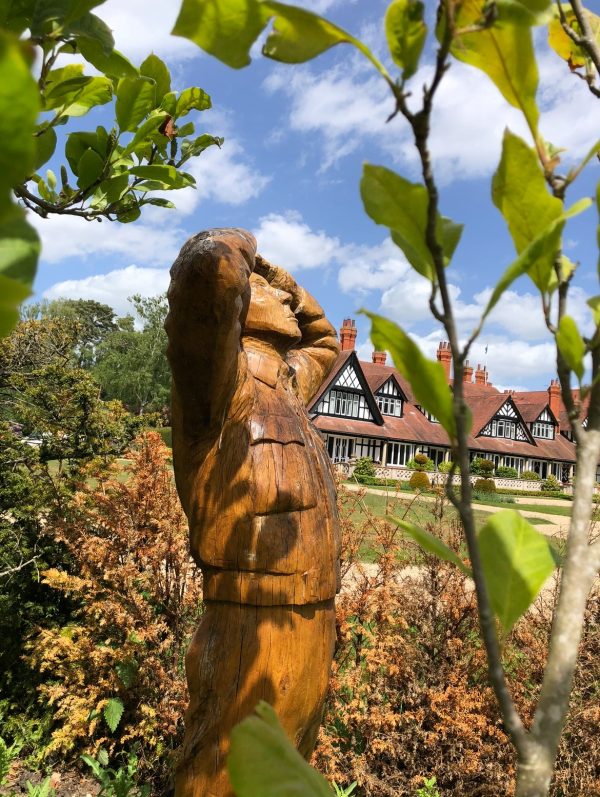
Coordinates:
[419,512]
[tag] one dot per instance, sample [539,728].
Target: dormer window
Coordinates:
[389,399]
[427,414]
[543,426]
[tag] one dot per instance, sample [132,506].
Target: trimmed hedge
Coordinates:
[484,486]
[420,481]
[376,481]
[506,472]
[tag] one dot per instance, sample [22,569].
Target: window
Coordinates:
[398,453]
[341,449]
[427,414]
[390,405]
[545,430]
[345,403]
[514,462]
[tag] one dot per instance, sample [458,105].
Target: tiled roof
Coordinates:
[484,401]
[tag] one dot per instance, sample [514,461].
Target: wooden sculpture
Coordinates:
[248,349]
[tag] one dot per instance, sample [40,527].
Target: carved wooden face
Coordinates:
[270,314]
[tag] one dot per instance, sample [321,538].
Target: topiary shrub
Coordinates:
[550,484]
[484,486]
[505,472]
[482,467]
[530,476]
[420,462]
[445,466]
[419,481]
[364,467]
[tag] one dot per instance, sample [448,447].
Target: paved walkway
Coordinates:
[555,525]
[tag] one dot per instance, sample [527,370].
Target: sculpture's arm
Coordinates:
[208,300]
[313,357]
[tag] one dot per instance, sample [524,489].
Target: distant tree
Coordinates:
[131,363]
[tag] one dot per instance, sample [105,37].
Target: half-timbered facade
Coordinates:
[367,409]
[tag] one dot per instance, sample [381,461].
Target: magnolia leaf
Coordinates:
[504,52]
[89,168]
[594,305]
[113,711]
[114,64]
[516,562]
[406,33]
[427,378]
[523,12]
[12,293]
[90,27]
[562,44]
[135,99]
[191,99]
[402,206]
[226,29]
[300,35]
[571,345]
[156,69]
[541,249]
[19,106]
[97,91]
[430,543]
[519,191]
[264,763]
[45,144]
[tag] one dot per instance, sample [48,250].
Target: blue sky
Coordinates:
[295,141]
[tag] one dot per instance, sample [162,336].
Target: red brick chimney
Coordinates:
[554,399]
[348,334]
[468,372]
[444,355]
[379,357]
[481,375]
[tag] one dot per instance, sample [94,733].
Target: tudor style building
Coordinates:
[367,409]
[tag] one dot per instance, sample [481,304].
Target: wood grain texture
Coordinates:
[248,349]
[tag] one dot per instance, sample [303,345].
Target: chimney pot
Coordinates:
[379,357]
[444,356]
[348,334]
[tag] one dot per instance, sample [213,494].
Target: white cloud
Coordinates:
[348,107]
[140,27]
[69,236]
[286,240]
[114,287]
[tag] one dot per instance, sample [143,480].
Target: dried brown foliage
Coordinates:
[409,693]
[139,599]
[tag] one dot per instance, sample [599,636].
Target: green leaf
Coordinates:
[561,42]
[402,206]
[102,757]
[114,64]
[135,100]
[59,85]
[430,543]
[12,294]
[571,345]
[19,246]
[78,143]
[163,172]
[156,69]
[542,249]
[91,27]
[427,378]
[111,190]
[98,91]
[523,12]
[19,106]
[146,130]
[159,202]
[505,53]
[45,144]
[406,33]
[300,35]
[192,148]
[520,193]
[264,763]
[113,711]
[89,168]
[516,562]
[594,305]
[191,99]
[224,28]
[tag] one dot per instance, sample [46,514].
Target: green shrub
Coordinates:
[419,481]
[530,476]
[484,486]
[167,435]
[550,484]
[364,467]
[445,466]
[377,481]
[482,467]
[420,463]
[505,472]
